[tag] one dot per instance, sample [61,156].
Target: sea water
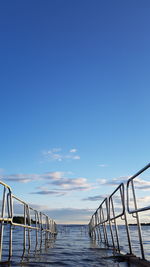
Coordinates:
[72,247]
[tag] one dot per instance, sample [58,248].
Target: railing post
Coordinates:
[2,222]
[98,221]
[138,222]
[10,216]
[25,221]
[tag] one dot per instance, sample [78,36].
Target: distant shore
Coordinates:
[143,224]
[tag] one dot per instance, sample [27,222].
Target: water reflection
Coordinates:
[42,247]
[72,247]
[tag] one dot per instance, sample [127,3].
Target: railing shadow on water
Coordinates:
[110,222]
[36,228]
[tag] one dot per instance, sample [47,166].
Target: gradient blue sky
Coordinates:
[74,100]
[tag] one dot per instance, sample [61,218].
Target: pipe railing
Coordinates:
[33,220]
[135,211]
[104,222]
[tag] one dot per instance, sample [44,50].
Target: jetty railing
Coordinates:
[103,225]
[31,220]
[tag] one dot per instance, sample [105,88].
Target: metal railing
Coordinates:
[32,220]
[118,206]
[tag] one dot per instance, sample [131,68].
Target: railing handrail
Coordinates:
[46,225]
[131,180]
[95,229]
[120,187]
[5,185]
[138,173]
[100,208]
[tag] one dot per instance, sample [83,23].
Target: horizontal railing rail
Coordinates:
[31,219]
[118,207]
[131,182]
[136,210]
[113,215]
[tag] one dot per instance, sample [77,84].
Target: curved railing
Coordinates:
[40,223]
[103,224]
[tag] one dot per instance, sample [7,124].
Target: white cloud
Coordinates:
[145,199]
[142,184]
[49,192]
[26,178]
[60,215]
[56,154]
[73,150]
[138,182]
[95,198]
[53,179]
[102,165]
[23,178]
[53,175]
[56,149]
[71,184]
[113,181]
[76,157]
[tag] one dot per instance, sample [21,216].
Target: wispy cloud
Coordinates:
[22,178]
[53,180]
[73,150]
[26,178]
[142,184]
[49,192]
[138,182]
[56,154]
[145,199]
[113,181]
[72,184]
[95,198]
[65,185]
[142,202]
[102,165]
[61,215]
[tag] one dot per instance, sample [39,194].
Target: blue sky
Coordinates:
[74,100]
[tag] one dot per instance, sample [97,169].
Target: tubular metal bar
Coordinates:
[110,199]
[98,220]
[115,227]
[103,220]
[112,216]
[101,209]
[128,184]
[92,227]
[49,228]
[137,219]
[104,226]
[98,226]
[124,217]
[3,219]
[136,210]
[122,214]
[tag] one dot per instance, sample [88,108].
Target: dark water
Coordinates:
[72,247]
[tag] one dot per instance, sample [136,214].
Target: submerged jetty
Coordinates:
[115,211]
[111,236]
[42,227]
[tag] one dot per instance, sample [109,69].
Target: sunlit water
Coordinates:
[72,247]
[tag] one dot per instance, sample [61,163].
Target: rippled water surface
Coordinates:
[72,247]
